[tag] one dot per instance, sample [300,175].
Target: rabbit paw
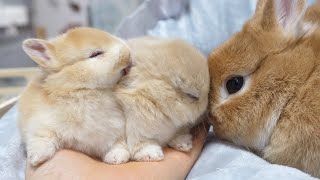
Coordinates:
[40,152]
[149,153]
[182,142]
[117,156]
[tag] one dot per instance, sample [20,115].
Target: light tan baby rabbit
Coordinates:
[265,86]
[70,103]
[165,92]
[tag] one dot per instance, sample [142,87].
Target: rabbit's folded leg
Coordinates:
[118,154]
[148,151]
[294,150]
[41,146]
[182,140]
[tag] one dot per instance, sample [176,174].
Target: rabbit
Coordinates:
[163,96]
[70,103]
[265,83]
[313,13]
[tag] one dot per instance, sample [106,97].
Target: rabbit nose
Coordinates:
[127,69]
[130,60]
[125,55]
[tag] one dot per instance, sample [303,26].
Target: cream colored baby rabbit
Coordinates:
[70,103]
[265,86]
[164,94]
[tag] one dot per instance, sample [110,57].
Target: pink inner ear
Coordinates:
[40,49]
[286,10]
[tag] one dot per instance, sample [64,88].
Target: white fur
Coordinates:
[149,152]
[263,138]
[308,28]
[117,155]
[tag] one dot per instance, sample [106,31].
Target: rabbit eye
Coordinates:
[95,54]
[234,84]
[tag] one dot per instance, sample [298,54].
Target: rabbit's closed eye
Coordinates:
[96,53]
[193,97]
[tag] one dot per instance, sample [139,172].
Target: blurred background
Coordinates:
[21,19]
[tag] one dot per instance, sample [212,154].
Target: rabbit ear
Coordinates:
[284,14]
[39,51]
[260,7]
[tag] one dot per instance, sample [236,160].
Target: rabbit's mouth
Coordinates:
[126,70]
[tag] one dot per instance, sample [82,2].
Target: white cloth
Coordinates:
[12,157]
[207,23]
[223,161]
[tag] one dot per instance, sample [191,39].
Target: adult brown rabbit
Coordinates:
[265,84]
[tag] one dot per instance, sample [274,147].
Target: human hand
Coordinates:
[68,164]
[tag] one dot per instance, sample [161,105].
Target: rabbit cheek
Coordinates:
[225,124]
[234,130]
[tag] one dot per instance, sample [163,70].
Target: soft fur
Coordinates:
[164,94]
[277,112]
[70,104]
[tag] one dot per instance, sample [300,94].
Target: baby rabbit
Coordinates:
[164,94]
[70,103]
[265,84]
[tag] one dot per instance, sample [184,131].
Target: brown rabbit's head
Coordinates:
[81,58]
[254,74]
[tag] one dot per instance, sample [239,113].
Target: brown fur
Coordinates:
[278,111]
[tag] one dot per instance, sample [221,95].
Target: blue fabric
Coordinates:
[207,23]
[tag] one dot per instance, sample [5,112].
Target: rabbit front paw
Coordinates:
[39,152]
[151,152]
[118,155]
[182,142]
